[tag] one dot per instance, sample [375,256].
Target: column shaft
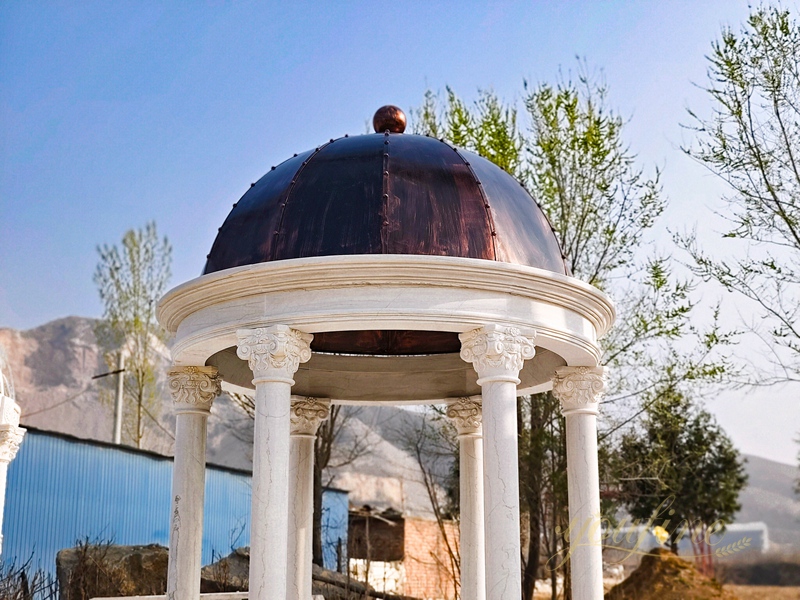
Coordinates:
[10,438]
[270,502]
[307,414]
[501,491]
[188,488]
[473,552]
[583,483]
[497,353]
[274,355]
[579,389]
[193,390]
[466,414]
[301,494]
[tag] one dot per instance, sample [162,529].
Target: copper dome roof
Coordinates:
[386,193]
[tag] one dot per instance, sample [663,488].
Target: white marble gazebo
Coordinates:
[385,269]
[11,433]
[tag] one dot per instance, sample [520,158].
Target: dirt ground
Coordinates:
[745,592]
[764,592]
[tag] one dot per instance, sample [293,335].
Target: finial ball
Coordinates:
[389,118]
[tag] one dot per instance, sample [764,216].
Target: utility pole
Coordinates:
[120,373]
[118,401]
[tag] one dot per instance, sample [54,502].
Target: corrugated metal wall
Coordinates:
[61,489]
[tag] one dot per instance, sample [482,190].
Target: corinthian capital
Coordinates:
[274,353]
[10,439]
[307,414]
[193,389]
[579,388]
[497,352]
[467,415]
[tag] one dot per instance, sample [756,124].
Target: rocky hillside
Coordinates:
[53,365]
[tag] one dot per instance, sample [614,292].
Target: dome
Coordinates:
[386,193]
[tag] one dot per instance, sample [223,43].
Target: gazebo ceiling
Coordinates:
[386,193]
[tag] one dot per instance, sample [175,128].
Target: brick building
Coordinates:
[406,555]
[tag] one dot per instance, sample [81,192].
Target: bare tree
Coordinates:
[331,451]
[752,142]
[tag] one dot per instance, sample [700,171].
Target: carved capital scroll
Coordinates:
[497,352]
[274,353]
[579,388]
[10,439]
[307,414]
[467,415]
[193,389]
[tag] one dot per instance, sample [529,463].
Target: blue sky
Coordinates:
[113,114]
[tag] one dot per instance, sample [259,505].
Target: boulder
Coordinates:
[230,574]
[92,570]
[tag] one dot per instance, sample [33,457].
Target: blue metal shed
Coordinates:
[63,489]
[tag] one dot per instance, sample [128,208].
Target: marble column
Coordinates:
[306,416]
[11,435]
[579,390]
[497,354]
[193,391]
[274,355]
[466,414]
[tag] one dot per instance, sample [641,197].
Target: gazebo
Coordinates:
[385,268]
[11,433]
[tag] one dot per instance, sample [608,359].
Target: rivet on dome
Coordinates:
[252,185]
[389,119]
[295,154]
[331,140]
[272,169]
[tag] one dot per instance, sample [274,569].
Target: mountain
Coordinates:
[53,364]
[769,497]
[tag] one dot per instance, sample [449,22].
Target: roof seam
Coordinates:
[485,199]
[285,202]
[385,194]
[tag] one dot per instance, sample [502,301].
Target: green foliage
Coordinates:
[752,141]
[585,178]
[572,156]
[681,470]
[130,279]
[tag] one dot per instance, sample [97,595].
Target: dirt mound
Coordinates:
[664,576]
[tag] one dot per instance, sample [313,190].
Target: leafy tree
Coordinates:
[752,142]
[574,160]
[130,279]
[686,473]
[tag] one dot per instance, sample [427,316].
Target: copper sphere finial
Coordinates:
[389,118]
